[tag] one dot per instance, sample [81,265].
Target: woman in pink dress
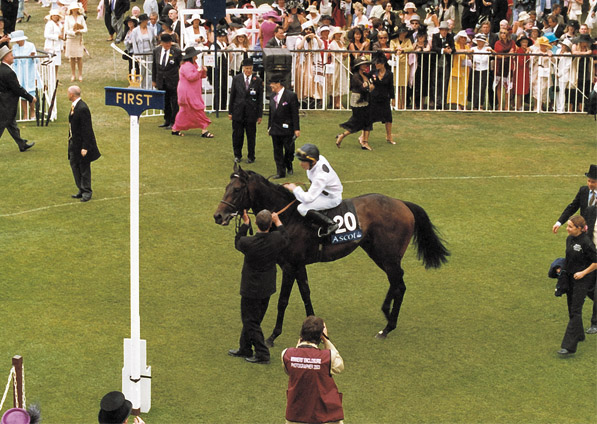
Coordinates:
[191,112]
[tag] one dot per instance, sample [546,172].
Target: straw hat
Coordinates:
[362,60]
[480,37]
[410,5]
[542,41]
[53,12]
[336,30]
[75,5]
[312,9]
[18,35]
[461,34]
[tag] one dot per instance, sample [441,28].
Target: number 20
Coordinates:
[348,222]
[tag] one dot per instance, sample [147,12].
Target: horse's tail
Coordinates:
[430,246]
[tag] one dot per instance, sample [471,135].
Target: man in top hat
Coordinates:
[164,76]
[10,91]
[245,110]
[115,409]
[283,125]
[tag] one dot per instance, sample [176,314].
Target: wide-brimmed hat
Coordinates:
[524,37]
[271,14]
[592,172]
[443,25]
[567,42]
[312,9]
[193,17]
[190,52]
[335,30]
[53,12]
[551,37]
[18,35]
[523,16]
[166,21]
[361,60]
[542,41]
[16,416]
[583,38]
[574,24]
[75,5]
[239,32]
[114,408]
[461,34]
[415,18]
[132,19]
[479,37]
[4,50]
[410,5]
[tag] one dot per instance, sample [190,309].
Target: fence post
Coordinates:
[17,362]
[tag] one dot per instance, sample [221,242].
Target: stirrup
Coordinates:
[328,230]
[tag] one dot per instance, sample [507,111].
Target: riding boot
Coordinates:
[326,225]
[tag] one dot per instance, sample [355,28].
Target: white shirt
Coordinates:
[322,177]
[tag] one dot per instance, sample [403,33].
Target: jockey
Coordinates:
[325,191]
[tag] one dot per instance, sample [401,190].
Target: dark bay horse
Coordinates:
[387,225]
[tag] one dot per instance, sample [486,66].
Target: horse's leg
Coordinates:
[303,285]
[288,276]
[395,294]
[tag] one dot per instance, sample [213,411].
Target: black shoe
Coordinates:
[290,172]
[236,160]
[250,160]
[256,360]
[164,125]
[278,176]
[76,196]
[565,352]
[26,145]
[239,354]
[85,199]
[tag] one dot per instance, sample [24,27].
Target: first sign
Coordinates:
[135,101]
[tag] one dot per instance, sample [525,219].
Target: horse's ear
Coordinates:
[235,167]
[240,171]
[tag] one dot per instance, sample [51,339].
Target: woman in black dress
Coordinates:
[581,261]
[382,94]
[360,85]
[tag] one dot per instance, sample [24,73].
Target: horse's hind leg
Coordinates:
[393,298]
[303,285]
[285,290]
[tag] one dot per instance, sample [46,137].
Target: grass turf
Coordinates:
[476,340]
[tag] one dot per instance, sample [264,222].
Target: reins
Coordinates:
[286,207]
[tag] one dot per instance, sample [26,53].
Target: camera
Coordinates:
[431,10]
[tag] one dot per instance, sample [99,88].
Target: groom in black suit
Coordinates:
[283,126]
[245,110]
[586,196]
[164,76]
[82,147]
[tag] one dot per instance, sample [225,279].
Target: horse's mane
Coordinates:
[277,188]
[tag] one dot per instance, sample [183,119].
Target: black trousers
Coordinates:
[283,153]
[576,298]
[82,173]
[239,128]
[252,312]
[479,88]
[9,13]
[170,105]
[440,79]
[14,131]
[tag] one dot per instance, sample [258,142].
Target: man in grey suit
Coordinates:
[10,91]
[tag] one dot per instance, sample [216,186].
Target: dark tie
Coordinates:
[247,84]
[592,199]
[165,58]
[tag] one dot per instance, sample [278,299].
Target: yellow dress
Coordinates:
[402,68]
[458,87]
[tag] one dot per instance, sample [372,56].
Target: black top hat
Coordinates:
[247,61]
[584,38]
[166,38]
[114,408]
[362,60]
[132,19]
[524,37]
[166,21]
[592,172]
[189,53]
[278,78]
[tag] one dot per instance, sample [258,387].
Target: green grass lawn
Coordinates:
[476,339]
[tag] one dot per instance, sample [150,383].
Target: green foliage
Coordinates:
[476,339]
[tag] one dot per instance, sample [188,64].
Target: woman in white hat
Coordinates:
[459,77]
[338,81]
[309,76]
[54,34]
[240,41]
[195,35]
[25,69]
[410,10]
[74,28]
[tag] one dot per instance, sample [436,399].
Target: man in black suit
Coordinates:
[442,44]
[10,91]
[283,125]
[245,110]
[164,75]
[586,196]
[82,147]
[10,10]
[278,40]
[258,281]
[118,9]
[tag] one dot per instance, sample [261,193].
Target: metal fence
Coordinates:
[38,75]
[424,81]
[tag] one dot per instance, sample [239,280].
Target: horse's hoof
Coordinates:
[382,335]
[269,342]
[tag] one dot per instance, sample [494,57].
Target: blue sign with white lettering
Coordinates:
[134,100]
[346,237]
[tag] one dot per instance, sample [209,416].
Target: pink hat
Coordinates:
[16,416]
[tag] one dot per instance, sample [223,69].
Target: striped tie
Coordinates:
[592,199]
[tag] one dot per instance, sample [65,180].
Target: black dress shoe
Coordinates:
[238,353]
[164,125]
[278,176]
[85,199]
[26,146]
[256,360]
[76,196]
[290,172]
[250,160]
[564,352]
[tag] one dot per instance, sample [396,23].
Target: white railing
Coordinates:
[44,82]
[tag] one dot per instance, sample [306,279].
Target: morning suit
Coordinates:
[165,77]
[274,42]
[81,136]
[118,8]
[581,201]
[283,122]
[258,283]
[442,63]
[245,107]
[10,91]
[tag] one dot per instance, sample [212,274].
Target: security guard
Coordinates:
[325,191]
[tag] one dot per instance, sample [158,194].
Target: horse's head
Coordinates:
[236,197]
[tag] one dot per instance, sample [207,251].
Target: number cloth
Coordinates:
[325,191]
